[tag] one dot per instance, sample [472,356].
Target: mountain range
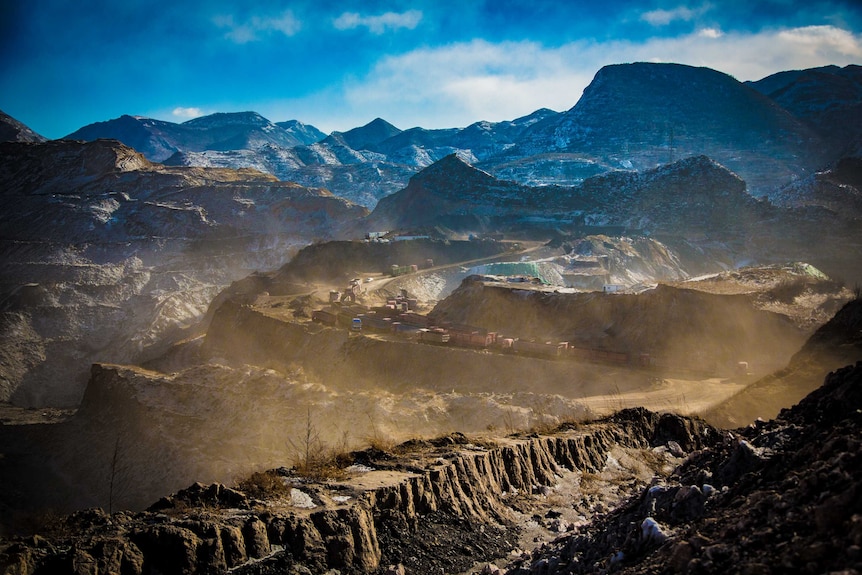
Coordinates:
[158,140]
[632,116]
[109,256]
[694,205]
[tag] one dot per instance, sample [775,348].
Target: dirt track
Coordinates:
[686,397]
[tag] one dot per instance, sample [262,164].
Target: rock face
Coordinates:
[106,255]
[356,525]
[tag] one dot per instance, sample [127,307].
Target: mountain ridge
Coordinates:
[631,116]
[222,131]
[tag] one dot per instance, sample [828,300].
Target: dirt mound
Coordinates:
[677,327]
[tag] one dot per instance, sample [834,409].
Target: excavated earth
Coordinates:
[431,506]
[775,497]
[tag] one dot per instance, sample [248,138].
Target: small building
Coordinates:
[612,288]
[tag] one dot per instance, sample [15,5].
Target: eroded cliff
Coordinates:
[403,507]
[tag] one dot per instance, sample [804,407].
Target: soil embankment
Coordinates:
[679,328]
[438,505]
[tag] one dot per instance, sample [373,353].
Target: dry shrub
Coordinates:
[264,485]
[326,465]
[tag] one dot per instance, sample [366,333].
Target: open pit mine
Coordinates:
[535,347]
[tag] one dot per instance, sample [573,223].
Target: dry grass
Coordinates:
[264,485]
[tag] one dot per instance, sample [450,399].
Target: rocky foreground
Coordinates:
[777,497]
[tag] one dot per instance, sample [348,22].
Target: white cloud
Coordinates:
[256,27]
[187,113]
[710,33]
[459,84]
[379,24]
[754,56]
[662,17]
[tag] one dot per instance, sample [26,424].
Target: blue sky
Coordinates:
[338,64]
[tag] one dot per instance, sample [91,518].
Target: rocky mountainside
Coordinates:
[372,161]
[838,189]
[695,206]
[305,133]
[694,194]
[632,116]
[362,176]
[642,115]
[11,130]
[779,496]
[158,140]
[454,194]
[107,255]
[429,506]
[829,99]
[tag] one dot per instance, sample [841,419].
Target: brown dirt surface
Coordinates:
[833,345]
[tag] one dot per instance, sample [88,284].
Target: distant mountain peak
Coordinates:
[453,167]
[369,135]
[228,119]
[305,133]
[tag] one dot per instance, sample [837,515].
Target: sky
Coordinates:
[339,64]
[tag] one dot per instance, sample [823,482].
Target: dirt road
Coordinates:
[683,396]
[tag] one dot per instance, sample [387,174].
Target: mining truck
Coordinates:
[352,290]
